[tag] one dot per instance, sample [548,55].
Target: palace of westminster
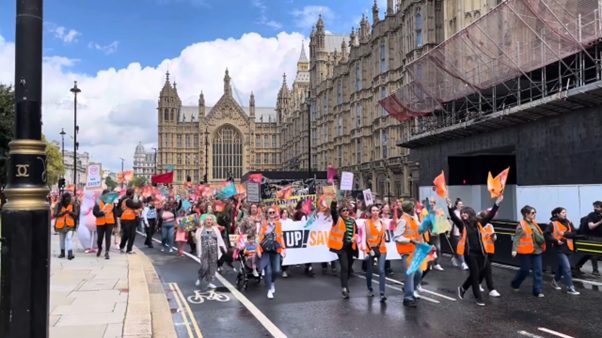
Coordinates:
[336,91]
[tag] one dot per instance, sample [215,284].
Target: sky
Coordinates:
[119,51]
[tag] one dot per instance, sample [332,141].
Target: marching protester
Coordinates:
[457,260]
[375,248]
[472,245]
[210,247]
[591,226]
[149,217]
[66,214]
[529,244]
[105,220]
[489,239]
[271,250]
[561,233]
[129,220]
[342,241]
[407,236]
[168,221]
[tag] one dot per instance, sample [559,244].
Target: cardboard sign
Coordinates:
[94,177]
[253,192]
[368,199]
[346,180]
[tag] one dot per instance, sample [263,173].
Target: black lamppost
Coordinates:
[155,149]
[62,185]
[206,153]
[24,275]
[75,91]
[122,174]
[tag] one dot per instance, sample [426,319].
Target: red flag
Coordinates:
[166,178]
[255,178]
[440,185]
[331,172]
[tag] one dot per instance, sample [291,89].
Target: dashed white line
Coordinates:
[423,290]
[528,334]
[556,333]
[401,290]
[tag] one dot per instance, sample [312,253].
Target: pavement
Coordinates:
[313,307]
[93,297]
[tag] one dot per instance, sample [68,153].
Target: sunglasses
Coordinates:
[533,212]
[271,212]
[344,210]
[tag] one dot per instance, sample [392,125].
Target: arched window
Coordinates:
[166,115]
[418,30]
[227,153]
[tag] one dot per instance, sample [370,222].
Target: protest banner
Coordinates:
[346,181]
[94,177]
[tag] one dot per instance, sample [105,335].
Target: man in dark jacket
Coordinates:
[130,212]
[105,221]
[594,228]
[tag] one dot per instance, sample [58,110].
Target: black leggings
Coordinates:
[486,273]
[104,231]
[150,231]
[346,261]
[476,266]
[129,234]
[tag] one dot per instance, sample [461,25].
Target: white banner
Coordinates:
[94,177]
[346,181]
[310,245]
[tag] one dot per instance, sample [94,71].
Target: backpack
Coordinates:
[583,226]
[119,209]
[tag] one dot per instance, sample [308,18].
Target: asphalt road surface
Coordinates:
[313,307]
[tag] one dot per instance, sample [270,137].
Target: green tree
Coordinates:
[7,127]
[54,162]
[137,182]
[111,184]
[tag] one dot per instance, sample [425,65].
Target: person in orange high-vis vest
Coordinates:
[271,250]
[472,245]
[374,247]
[488,237]
[529,244]
[130,212]
[342,241]
[105,221]
[65,224]
[406,236]
[561,233]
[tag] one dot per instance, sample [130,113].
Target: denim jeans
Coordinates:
[410,281]
[66,240]
[527,262]
[564,270]
[382,258]
[272,268]
[167,235]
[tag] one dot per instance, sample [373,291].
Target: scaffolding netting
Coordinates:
[514,38]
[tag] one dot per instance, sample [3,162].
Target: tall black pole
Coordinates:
[62,133]
[206,153]
[122,174]
[309,132]
[155,149]
[24,275]
[75,90]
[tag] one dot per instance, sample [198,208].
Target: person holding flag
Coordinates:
[105,220]
[472,246]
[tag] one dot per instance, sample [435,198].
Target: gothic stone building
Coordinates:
[222,141]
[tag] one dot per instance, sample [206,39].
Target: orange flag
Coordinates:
[285,193]
[496,185]
[440,185]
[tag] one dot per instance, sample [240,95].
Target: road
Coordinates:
[313,307]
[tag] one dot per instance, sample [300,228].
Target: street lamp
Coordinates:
[25,261]
[206,153]
[122,174]
[62,133]
[155,149]
[75,91]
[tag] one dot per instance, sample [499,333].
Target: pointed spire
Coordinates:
[252,100]
[375,13]
[320,23]
[303,56]
[227,86]
[201,99]
[390,9]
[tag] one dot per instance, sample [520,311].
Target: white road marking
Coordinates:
[554,332]
[195,325]
[528,334]
[262,318]
[182,310]
[401,290]
[423,290]
[510,267]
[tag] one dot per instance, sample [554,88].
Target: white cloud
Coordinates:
[307,17]
[63,34]
[117,107]
[263,17]
[107,49]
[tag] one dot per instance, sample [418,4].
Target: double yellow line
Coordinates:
[186,312]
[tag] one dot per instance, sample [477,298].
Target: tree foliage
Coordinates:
[7,127]
[137,182]
[54,162]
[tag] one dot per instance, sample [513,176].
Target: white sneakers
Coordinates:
[197,283]
[255,273]
[494,293]
[572,291]
[454,261]
[464,267]
[271,291]
[438,267]
[273,288]
[481,288]
[555,285]
[284,274]
[211,286]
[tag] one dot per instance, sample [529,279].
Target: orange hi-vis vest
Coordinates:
[66,219]
[525,244]
[337,235]
[277,230]
[128,214]
[375,238]
[411,232]
[486,240]
[107,218]
[558,234]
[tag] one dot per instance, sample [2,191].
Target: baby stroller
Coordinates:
[245,270]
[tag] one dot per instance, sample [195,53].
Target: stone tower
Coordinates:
[168,109]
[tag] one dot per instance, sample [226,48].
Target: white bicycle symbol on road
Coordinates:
[200,297]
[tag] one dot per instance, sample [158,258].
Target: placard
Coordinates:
[253,192]
[94,176]
[368,199]
[346,180]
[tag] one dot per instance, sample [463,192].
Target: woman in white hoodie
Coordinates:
[210,247]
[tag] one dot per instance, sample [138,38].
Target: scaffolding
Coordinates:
[522,51]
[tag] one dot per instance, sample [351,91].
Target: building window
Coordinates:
[418,30]
[274,141]
[258,141]
[179,159]
[340,92]
[383,56]
[187,141]
[196,140]
[325,104]
[358,76]
[385,143]
[227,153]
[358,151]
[179,138]
[340,156]
[358,115]
[340,126]
[383,94]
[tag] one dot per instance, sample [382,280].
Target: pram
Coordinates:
[245,271]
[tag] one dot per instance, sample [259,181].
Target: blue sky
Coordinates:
[119,51]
